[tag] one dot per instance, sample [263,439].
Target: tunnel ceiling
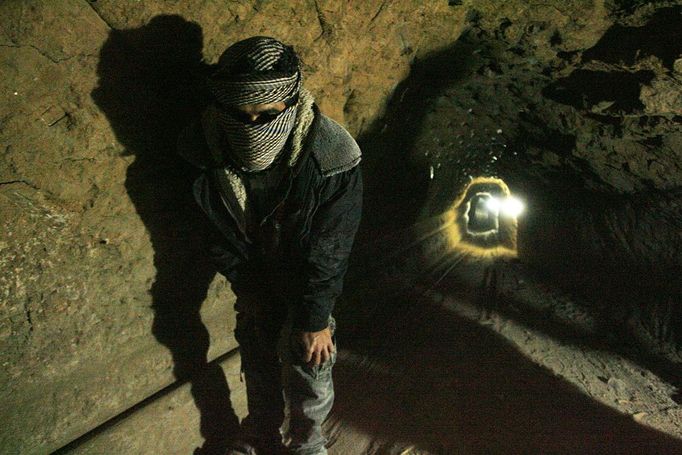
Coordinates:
[608,116]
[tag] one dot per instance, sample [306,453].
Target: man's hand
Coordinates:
[317,347]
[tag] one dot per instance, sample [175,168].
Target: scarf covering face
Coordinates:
[248,74]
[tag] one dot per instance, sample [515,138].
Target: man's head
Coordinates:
[256,88]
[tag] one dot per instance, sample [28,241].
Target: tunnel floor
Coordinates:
[434,374]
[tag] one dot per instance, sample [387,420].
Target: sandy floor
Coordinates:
[435,376]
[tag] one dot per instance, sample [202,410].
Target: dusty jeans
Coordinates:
[278,382]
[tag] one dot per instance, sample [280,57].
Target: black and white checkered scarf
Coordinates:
[247,75]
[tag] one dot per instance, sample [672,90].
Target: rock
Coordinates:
[99,275]
[639,416]
[617,385]
[677,66]
[663,96]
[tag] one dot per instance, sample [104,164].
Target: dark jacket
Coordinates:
[301,250]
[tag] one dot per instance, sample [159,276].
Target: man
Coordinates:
[281,183]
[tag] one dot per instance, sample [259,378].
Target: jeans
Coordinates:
[286,397]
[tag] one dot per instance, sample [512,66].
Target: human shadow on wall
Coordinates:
[148,92]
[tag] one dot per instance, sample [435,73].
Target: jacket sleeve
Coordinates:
[332,233]
[230,263]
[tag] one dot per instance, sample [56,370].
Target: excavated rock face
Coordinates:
[105,296]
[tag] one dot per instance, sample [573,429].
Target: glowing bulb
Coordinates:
[492,204]
[512,207]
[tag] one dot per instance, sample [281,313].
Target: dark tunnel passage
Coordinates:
[595,261]
[586,263]
[620,251]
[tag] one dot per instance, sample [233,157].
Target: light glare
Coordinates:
[492,204]
[512,206]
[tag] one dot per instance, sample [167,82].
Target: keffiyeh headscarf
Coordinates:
[258,70]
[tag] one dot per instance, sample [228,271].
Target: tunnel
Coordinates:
[515,283]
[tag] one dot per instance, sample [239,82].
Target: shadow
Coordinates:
[661,36]
[616,93]
[616,254]
[148,89]
[396,179]
[431,380]
[585,89]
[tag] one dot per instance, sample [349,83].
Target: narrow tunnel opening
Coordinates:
[481,215]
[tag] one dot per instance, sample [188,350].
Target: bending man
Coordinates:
[281,183]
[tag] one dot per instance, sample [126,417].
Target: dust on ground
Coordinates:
[434,372]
